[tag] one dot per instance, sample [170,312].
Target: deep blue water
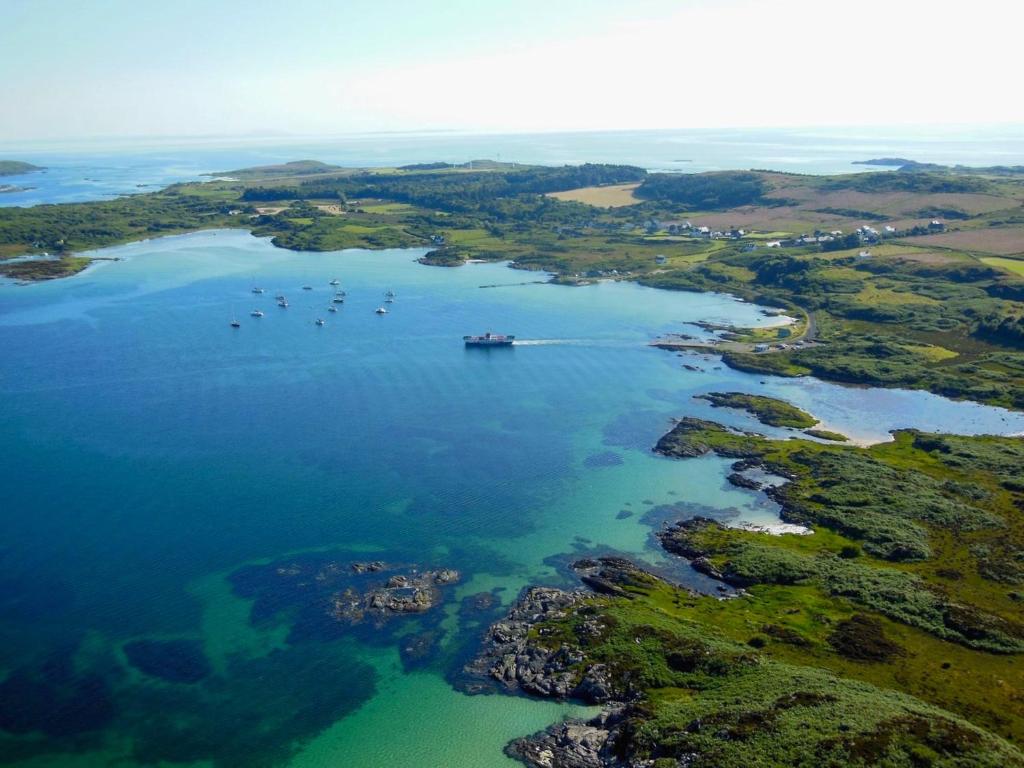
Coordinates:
[96,171]
[175,491]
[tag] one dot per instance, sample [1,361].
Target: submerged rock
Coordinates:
[418,649]
[605,459]
[174,661]
[371,567]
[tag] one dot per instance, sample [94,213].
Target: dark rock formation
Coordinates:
[742,481]
[401,594]
[573,744]
[509,657]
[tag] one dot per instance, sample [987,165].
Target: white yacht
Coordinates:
[381,311]
[256,313]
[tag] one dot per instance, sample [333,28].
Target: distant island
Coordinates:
[294,168]
[903,164]
[16,168]
[890,162]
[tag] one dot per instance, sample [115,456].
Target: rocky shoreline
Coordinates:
[575,744]
[514,657]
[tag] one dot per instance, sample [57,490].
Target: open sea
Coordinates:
[98,170]
[182,501]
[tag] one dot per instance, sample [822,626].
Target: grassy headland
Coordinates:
[768,410]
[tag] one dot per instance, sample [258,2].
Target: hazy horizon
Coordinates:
[258,139]
[119,71]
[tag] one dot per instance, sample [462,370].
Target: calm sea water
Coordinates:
[96,172]
[166,476]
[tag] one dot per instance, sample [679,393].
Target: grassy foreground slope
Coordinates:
[713,684]
[921,538]
[892,635]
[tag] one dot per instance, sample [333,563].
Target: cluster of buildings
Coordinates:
[686,228]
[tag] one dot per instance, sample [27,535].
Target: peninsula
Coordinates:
[16,168]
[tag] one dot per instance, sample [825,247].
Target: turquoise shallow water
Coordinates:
[163,475]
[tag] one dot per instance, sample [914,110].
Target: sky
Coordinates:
[74,69]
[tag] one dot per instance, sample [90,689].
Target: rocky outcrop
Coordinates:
[572,744]
[742,481]
[515,654]
[515,661]
[371,567]
[685,441]
[415,592]
[679,540]
[611,575]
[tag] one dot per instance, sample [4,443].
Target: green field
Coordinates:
[1016,266]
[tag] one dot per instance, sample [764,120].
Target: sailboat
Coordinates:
[234,319]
